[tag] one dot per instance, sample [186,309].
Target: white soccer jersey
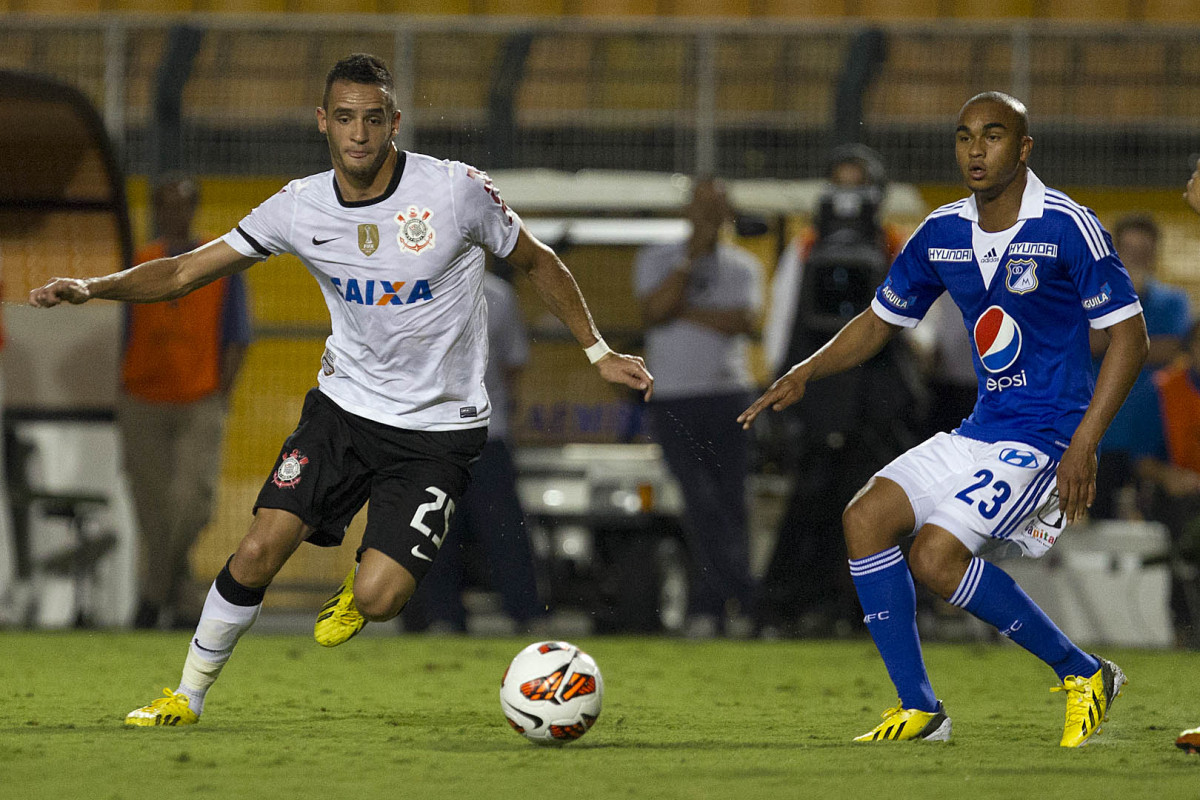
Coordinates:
[402,275]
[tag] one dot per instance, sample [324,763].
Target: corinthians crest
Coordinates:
[288,473]
[416,234]
[1022,276]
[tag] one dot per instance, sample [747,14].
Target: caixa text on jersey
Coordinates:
[381,293]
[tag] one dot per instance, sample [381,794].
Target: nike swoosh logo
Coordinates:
[416,551]
[319,242]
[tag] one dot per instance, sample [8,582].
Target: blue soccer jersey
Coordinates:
[1028,296]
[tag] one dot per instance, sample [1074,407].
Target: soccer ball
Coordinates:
[551,692]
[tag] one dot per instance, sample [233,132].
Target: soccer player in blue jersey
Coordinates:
[1031,271]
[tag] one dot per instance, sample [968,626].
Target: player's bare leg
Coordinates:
[232,606]
[376,589]
[938,560]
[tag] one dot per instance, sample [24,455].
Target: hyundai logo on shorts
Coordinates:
[1019,458]
[998,339]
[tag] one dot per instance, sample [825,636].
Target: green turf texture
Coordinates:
[418,717]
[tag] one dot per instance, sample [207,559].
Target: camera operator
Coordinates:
[847,423]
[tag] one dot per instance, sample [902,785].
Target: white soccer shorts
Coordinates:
[983,493]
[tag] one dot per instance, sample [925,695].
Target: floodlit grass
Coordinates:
[418,717]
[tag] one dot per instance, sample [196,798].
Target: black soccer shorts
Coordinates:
[335,461]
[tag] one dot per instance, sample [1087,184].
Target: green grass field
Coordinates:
[418,717]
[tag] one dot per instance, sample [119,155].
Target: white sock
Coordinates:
[221,625]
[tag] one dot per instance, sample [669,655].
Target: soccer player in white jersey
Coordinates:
[396,242]
[1031,271]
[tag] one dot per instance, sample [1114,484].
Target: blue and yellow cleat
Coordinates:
[172,710]
[908,724]
[339,620]
[1089,701]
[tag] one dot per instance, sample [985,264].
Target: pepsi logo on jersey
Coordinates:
[381,293]
[997,339]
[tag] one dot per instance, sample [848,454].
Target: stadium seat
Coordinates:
[1127,61]
[243,6]
[644,73]
[447,7]
[992,9]
[608,8]
[519,8]
[1089,10]
[253,76]
[736,9]
[748,74]
[1176,11]
[149,6]
[557,74]
[57,6]
[334,6]
[803,9]
[451,73]
[897,9]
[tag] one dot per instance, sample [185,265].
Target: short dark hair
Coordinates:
[1136,222]
[362,68]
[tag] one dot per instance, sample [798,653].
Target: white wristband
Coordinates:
[597,351]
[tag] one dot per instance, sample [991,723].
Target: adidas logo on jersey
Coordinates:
[381,293]
[990,257]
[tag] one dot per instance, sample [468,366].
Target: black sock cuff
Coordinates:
[235,592]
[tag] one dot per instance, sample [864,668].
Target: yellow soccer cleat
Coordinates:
[906,724]
[169,710]
[339,619]
[1088,701]
[1189,741]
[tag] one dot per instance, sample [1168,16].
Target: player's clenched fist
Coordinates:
[60,290]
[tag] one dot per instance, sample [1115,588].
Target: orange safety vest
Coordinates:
[173,349]
[1179,400]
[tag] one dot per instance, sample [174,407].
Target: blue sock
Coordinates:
[991,595]
[889,601]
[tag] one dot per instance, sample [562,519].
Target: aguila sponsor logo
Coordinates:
[895,299]
[1099,299]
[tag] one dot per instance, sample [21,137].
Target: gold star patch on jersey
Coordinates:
[368,238]
[416,234]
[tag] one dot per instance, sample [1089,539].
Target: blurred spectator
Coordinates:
[488,522]
[699,301]
[847,423]
[180,361]
[1136,431]
[1174,481]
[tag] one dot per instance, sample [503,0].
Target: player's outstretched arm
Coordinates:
[559,291]
[150,282]
[861,338]
[1122,362]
